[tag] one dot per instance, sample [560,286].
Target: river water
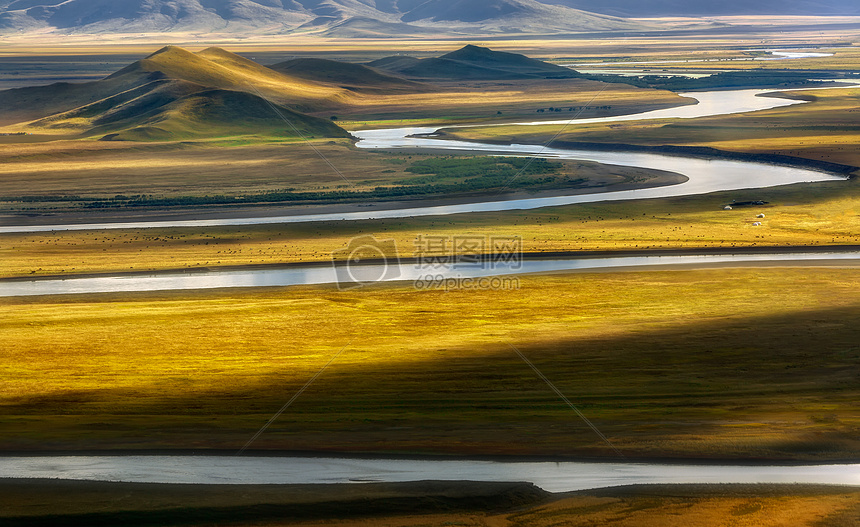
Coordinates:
[422,276]
[550,476]
[709,104]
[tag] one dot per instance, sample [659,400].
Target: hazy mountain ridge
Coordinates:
[96,16]
[342,17]
[354,77]
[654,8]
[357,18]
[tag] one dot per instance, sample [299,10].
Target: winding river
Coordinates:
[550,476]
[704,175]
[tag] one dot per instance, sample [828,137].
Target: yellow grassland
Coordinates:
[808,214]
[727,363]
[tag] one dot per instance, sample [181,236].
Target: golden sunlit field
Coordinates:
[819,214]
[424,504]
[90,171]
[725,363]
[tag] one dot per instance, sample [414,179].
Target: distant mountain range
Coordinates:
[329,17]
[654,8]
[377,17]
[346,18]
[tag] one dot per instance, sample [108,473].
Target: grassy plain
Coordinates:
[726,363]
[483,100]
[68,175]
[808,214]
[701,505]
[426,504]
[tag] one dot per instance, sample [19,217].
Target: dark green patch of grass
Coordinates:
[446,168]
[439,176]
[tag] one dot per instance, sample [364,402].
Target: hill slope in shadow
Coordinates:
[353,77]
[175,94]
[476,63]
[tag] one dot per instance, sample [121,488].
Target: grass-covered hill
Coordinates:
[354,77]
[475,63]
[218,113]
[176,94]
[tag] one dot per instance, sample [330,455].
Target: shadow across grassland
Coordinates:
[764,387]
[421,503]
[98,503]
